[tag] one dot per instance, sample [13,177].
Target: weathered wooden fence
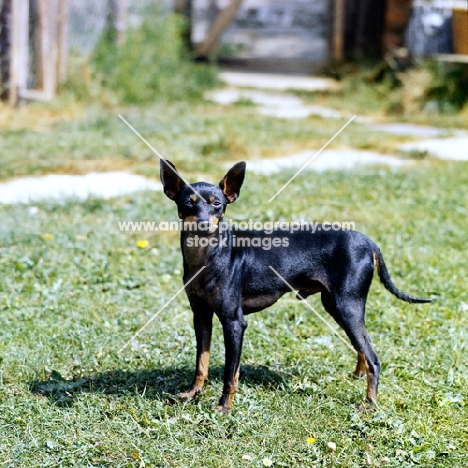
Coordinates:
[33,44]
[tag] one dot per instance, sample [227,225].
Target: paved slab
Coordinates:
[406,129]
[270,101]
[279,82]
[325,161]
[452,149]
[79,187]
[274,104]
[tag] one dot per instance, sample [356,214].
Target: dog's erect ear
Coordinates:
[170,178]
[231,183]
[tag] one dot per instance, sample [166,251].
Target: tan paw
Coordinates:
[192,393]
[222,409]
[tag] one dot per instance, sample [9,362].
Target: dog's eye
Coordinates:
[217,204]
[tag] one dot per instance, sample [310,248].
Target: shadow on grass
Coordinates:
[162,383]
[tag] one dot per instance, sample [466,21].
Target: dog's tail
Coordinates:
[384,276]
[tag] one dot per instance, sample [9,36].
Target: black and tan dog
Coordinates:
[236,281]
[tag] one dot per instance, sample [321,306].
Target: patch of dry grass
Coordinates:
[40,117]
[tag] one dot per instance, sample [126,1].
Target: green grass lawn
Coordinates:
[74,289]
[194,134]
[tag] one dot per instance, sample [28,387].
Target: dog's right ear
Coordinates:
[232,182]
[170,178]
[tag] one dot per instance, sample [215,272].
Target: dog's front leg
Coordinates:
[203,324]
[233,331]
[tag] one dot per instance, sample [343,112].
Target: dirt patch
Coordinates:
[38,117]
[82,167]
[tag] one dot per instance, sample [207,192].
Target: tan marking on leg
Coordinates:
[371,393]
[225,403]
[228,403]
[376,262]
[201,375]
[361,366]
[363,369]
[202,369]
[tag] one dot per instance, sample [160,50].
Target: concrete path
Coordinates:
[452,149]
[411,130]
[437,142]
[279,82]
[77,187]
[268,92]
[327,160]
[273,104]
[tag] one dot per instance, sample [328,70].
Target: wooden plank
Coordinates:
[33,95]
[339,30]
[454,58]
[48,11]
[19,51]
[5,47]
[41,43]
[63,27]
[220,24]
[118,11]
[182,7]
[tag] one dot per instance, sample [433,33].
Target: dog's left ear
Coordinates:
[170,178]
[231,183]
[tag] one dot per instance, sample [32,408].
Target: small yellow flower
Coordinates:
[142,244]
[311,440]
[267,462]
[47,236]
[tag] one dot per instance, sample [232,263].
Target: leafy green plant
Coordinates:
[152,65]
[449,85]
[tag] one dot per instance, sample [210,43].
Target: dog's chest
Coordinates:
[194,254]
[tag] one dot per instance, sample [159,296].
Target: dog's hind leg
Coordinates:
[361,366]
[329,306]
[351,314]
